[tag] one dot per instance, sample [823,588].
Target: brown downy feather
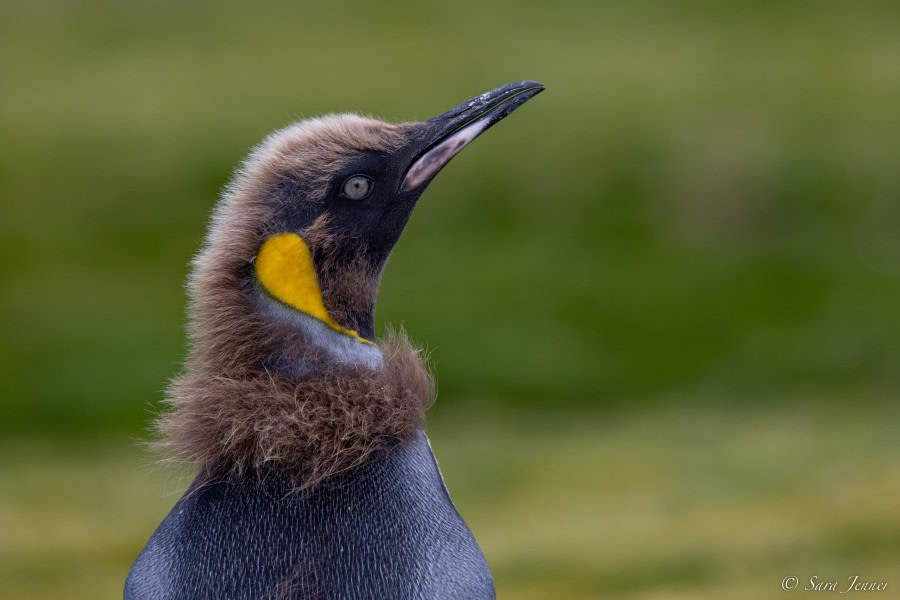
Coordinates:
[307,429]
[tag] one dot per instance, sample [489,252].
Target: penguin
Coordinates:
[316,478]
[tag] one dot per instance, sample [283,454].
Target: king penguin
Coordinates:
[316,478]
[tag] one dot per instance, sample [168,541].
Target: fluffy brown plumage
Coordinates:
[308,428]
[232,410]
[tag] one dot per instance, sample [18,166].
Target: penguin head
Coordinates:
[290,270]
[283,373]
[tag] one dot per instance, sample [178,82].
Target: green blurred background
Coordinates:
[662,300]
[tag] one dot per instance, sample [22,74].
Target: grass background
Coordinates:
[662,299]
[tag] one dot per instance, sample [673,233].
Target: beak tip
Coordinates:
[451,131]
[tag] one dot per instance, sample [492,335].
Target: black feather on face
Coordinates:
[350,222]
[397,173]
[368,226]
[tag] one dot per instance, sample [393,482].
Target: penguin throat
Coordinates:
[285,269]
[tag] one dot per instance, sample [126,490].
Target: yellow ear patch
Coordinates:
[285,268]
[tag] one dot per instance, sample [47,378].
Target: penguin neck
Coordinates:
[349,292]
[360,319]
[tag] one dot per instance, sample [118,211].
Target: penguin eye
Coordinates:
[357,187]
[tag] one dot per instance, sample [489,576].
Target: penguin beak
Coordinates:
[445,135]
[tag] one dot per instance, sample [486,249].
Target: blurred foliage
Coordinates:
[705,202]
